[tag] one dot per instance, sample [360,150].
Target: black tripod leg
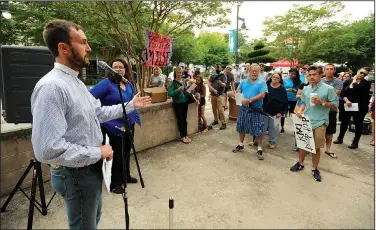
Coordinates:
[17,186]
[138,166]
[38,167]
[125,196]
[32,199]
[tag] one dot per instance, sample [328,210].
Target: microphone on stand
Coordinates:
[116,75]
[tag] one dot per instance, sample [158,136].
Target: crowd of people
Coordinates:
[281,96]
[70,122]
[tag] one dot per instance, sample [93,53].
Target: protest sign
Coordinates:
[158,50]
[304,133]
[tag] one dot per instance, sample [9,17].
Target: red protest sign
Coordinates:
[158,49]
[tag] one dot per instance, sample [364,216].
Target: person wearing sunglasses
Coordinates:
[356,90]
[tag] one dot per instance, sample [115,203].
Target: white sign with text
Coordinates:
[304,133]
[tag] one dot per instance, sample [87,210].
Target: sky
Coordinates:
[253,21]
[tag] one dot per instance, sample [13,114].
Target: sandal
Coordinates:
[189,139]
[332,155]
[184,140]
[372,143]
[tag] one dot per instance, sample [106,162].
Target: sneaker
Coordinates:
[296,167]
[238,148]
[259,155]
[295,149]
[223,126]
[271,146]
[316,175]
[214,123]
[282,131]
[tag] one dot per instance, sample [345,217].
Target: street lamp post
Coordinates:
[4,7]
[243,27]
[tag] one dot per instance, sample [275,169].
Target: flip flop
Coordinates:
[331,155]
[185,142]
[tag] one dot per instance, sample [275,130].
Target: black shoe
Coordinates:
[131,180]
[259,155]
[338,141]
[282,131]
[316,175]
[296,167]
[117,189]
[214,123]
[223,126]
[353,146]
[238,148]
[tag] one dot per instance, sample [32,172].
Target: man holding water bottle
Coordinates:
[317,100]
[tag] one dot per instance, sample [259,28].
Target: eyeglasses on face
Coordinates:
[118,67]
[364,74]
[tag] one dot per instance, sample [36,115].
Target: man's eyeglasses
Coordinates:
[364,74]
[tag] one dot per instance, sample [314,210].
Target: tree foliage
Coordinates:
[260,54]
[297,26]
[115,28]
[214,48]
[314,36]
[351,44]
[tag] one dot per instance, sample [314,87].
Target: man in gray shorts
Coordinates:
[329,79]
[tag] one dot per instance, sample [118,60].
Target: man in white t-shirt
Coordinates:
[237,75]
[171,75]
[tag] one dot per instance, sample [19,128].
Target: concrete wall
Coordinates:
[158,126]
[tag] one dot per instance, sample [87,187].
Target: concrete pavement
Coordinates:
[215,188]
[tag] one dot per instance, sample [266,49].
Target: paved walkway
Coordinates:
[215,188]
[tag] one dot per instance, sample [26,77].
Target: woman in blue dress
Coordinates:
[107,92]
[291,83]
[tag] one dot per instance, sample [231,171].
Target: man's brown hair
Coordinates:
[57,31]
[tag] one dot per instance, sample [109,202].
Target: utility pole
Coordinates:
[237,33]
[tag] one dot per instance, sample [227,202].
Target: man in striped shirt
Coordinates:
[66,125]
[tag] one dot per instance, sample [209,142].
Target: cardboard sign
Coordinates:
[158,50]
[304,133]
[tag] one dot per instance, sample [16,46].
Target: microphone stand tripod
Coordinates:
[127,132]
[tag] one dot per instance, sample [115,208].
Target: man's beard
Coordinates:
[254,77]
[76,61]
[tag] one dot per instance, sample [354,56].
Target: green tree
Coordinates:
[185,49]
[213,47]
[298,26]
[113,27]
[260,54]
[351,44]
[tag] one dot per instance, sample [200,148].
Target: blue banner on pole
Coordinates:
[232,40]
